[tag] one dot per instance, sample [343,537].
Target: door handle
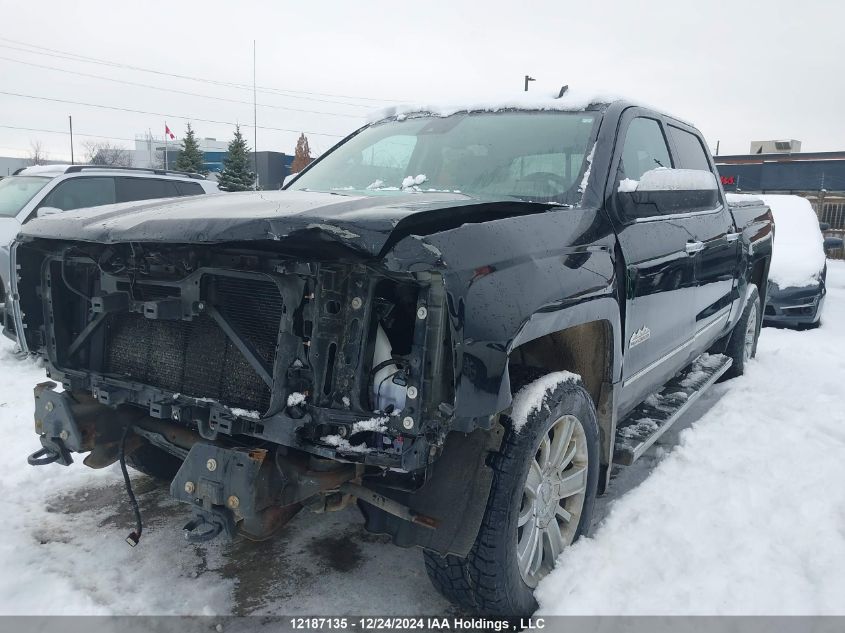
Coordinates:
[733,237]
[694,247]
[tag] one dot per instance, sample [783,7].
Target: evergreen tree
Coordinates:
[302,155]
[190,157]
[236,174]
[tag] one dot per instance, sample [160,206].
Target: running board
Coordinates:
[646,423]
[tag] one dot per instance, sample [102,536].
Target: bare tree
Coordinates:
[104,153]
[302,155]
[37,155]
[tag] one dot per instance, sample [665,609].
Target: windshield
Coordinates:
[532,156]
[16,191]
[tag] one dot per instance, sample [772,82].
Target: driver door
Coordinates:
[659,279]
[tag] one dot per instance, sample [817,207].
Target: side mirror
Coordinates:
[43,212]
[832,244]
[288,179]
[665,191]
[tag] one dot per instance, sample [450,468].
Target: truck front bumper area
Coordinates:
[253,491]
[231,489]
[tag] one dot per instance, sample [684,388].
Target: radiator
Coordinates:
[195,358]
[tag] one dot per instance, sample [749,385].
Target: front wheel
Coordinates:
[544,488]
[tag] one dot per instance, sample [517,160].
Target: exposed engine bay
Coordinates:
[280,383]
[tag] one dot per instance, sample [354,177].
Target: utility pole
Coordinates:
[717,148]
[527,79]
[254,120]
[70,123]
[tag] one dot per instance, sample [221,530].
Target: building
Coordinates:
[817,176]
[788,146]
[149,153]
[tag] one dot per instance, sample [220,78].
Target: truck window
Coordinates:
[644,149]
[393,152]
[131,189]
[77,193]
[189,188]
[688,150]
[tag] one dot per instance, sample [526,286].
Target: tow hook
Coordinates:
[203,528]
[42,457]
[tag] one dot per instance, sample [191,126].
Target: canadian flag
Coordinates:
[167,132]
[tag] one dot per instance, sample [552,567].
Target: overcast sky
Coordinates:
[739,70]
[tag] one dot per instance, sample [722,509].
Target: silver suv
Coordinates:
[48,189]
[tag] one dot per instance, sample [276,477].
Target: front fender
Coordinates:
[511,280]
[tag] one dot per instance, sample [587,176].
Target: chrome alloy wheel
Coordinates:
[750,333]
[553,499]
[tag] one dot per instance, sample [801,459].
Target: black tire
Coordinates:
[153,461]
[736,348]
[488,580]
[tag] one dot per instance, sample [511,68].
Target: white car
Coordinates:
[48,189]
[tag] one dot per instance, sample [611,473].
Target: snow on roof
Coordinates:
[798,254]
[572,101]
[43,170]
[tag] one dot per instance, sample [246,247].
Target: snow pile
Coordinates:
[628,185]
[641,428]
[798,256]
[343,445]
[245,413]
[413,182]
[295,399]
[379,425]
[533,396]
[746,515]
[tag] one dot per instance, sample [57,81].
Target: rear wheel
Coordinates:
[742,346]
[544,487]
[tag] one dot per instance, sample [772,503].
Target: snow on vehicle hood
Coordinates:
[798,255]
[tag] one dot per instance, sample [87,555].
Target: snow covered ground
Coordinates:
[746,515]
[742,510]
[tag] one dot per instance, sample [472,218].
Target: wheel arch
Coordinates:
[589,346]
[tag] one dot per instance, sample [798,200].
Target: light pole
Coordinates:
[70,124]
[527,79]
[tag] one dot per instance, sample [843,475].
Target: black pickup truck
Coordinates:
[459,320]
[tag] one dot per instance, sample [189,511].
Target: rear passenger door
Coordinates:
[659,275]
[715,250]
[130,189]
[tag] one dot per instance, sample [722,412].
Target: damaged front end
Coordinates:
[279,381]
